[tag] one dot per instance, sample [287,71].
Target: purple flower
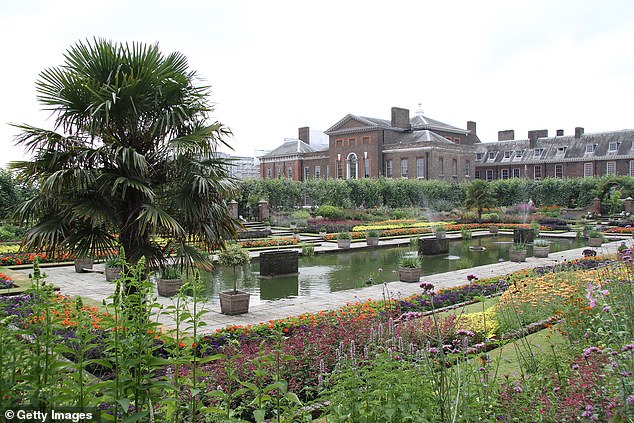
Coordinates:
[591,350]
[463,332]
[606,309]
[630,399]
[628,347]
[518,389]
[426,286]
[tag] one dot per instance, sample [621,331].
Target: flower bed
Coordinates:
[269,242]
[6,282]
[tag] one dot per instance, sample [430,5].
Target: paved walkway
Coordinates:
[94,286]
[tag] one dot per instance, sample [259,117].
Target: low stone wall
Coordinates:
[253,234]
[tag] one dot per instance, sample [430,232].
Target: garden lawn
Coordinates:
[538,346]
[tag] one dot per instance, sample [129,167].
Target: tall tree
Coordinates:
[131,156]
[479,196]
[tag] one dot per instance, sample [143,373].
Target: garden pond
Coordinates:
[330,272]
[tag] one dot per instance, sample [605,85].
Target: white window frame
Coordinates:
[420,168]
[269,173]
[467,170]
[610,168]
[366,168]
[404,168]
[588,169]
[561,151]
[632,167]
[613,147]
[489,175]
[538,152]
[504,174]
[289,172]
[306,173]
[559,174]
[508,154]
[388,168]
[492,155]
[590,148]
[352,166]
[535,175]
[480,156]
[317,172]
[517,172]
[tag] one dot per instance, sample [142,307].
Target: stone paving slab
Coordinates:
[95,287]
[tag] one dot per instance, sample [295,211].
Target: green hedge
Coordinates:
[283,194]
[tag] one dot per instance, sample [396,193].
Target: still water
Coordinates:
[331,272]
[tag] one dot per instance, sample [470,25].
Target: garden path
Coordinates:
[94,286]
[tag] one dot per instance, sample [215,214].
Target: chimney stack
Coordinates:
[560,132]
[304,134]
[400,118]
[534,134]
[507,135]
[471,126]
[578,132]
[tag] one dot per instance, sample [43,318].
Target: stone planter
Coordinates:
[298,237]
[432,246]
[112,273]
[441,235]
[83,264]
[409,274]
[372,241]
[274,263]
[542,251]
[234,302]
[168,287]
[595,242]
[293,225]
[343,243]
[267,228]
[517,256]
[493,230]
[323,234]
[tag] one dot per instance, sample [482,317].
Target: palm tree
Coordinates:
[479,196]
[131,156]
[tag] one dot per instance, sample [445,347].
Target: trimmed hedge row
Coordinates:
[284,194]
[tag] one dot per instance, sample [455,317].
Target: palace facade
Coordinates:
[419,147]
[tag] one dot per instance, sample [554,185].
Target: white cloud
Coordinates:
[277,65]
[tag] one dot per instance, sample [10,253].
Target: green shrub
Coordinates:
[329,212]
[411,262]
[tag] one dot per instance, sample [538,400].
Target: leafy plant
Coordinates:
[372,234]
[411,262]
[308,250]
[233,256]
[171,271]
[343,235]
[518,246]
[540,242]
[595,234]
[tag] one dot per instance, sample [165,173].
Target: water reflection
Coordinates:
[325,273]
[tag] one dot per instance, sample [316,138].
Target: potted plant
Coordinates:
[409,269]
[293,224]
[541,248]
[267,224]
[440,232]
[493,229]
[113,265]
[343,240]
[322,232]
[83,264]
[535,227]
[170,280]
[234,302]
[517,252]
[372,238]
[595,238]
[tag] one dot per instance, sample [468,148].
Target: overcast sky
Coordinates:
[275,66]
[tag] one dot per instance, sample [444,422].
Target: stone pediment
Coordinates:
[356,123]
